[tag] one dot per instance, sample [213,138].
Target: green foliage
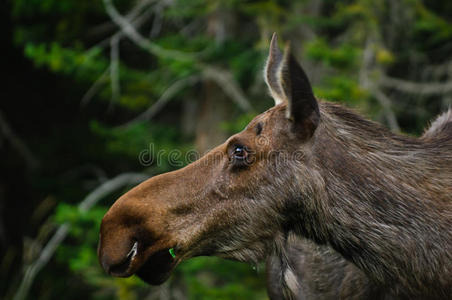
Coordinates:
[342,57]
[73,215]
[156,142]
[70,39]
[70,61]
[238,124]
[271,9]
[31,7]
[81,257]
[128,140]
[432,26]
[213,278]
[341,88]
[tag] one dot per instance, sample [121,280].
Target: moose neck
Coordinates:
[376,201]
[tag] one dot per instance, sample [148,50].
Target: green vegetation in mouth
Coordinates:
[171,251]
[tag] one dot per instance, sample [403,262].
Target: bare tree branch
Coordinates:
[231,88]
[114,69]
[366,64]
[445,68]
[43,259]
[114,39]
[419,88]
[17,143]
[138,39]
[136,10]
[224,78]
[109,186]
[386,103]
[136,18]
[165,98]
[89,201]
[92,91]
[158,20]
[369,84]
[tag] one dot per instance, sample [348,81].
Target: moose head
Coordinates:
[214,205]
[305,167]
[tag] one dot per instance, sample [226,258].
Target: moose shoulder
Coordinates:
[304,180]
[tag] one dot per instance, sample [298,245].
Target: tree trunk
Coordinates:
[215,107]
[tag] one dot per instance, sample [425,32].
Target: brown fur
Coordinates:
[321,273]
[313,171]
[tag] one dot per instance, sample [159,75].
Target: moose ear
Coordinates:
[271,76]
[302,107]
[288,83]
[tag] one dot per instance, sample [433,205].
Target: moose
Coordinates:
[338,206]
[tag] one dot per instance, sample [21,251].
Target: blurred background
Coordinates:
[93,90]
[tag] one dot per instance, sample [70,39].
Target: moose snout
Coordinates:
[135,233]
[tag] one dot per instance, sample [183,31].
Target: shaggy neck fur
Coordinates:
[382,200]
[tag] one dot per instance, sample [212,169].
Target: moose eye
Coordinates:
[240,156]
[239,152]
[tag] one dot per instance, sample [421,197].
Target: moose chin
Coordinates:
[338,206]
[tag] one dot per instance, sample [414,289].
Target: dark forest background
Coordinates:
[92,90]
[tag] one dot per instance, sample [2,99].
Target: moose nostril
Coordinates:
[133,252]
[120,269]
